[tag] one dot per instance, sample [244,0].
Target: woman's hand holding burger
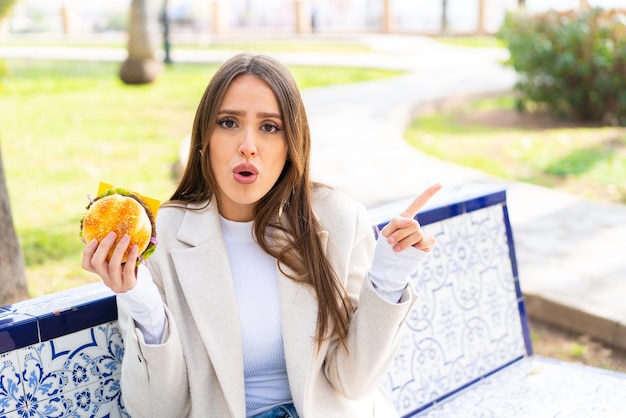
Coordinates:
[120,234]
[118,228]
[118,276]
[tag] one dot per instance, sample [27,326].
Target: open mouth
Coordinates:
[245,173]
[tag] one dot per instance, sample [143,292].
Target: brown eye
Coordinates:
[227,123]
[269,128]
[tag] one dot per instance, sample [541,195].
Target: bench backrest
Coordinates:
[469,320]
[61,354]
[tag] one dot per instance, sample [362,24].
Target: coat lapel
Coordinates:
[206,280]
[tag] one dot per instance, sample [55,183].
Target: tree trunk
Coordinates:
[66,19]
[480,30]
[388,17]
[302,11]
[13,286]
[141,67]
[444,17]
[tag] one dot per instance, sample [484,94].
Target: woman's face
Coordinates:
[248,148]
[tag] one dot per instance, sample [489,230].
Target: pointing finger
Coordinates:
[420,201]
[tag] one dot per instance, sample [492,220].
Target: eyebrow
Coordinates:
[241,113]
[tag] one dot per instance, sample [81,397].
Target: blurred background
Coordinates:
[78,105]
[195,19]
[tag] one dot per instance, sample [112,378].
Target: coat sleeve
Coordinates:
[146,367]
[373,334]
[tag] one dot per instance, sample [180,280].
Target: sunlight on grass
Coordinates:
[471,41]
[589,161]
[276,45]
[73,124]
[504,101]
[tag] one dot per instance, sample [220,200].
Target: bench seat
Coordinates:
[537,386]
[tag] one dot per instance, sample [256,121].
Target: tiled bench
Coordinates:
[61,356]
[465,352]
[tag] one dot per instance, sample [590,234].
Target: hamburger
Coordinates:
[122,212]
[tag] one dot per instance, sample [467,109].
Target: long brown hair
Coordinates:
[285,226]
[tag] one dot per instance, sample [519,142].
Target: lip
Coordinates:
[245,173]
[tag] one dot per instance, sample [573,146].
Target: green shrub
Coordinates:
[571,63]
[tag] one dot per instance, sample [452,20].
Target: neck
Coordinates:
[236,213]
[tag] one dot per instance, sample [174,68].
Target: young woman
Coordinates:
[268,295]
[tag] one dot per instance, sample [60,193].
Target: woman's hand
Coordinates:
[392,266]
[404,231]
[118,277]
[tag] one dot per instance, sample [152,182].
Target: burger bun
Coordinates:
[122,214]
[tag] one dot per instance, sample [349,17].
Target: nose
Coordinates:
[247,148]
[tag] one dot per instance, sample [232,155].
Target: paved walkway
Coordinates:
[571,262]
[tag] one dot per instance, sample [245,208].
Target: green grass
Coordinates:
[277,45]
[577,350]
[589,161]
[471,41]
[65,126]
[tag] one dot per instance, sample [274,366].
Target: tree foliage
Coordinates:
[572,63]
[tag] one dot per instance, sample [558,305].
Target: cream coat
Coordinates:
[198,369]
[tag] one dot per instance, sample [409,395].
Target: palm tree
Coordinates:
[141,67]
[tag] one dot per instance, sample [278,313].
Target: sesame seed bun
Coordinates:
[122,212]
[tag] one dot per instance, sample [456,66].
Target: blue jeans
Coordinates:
[286,410]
